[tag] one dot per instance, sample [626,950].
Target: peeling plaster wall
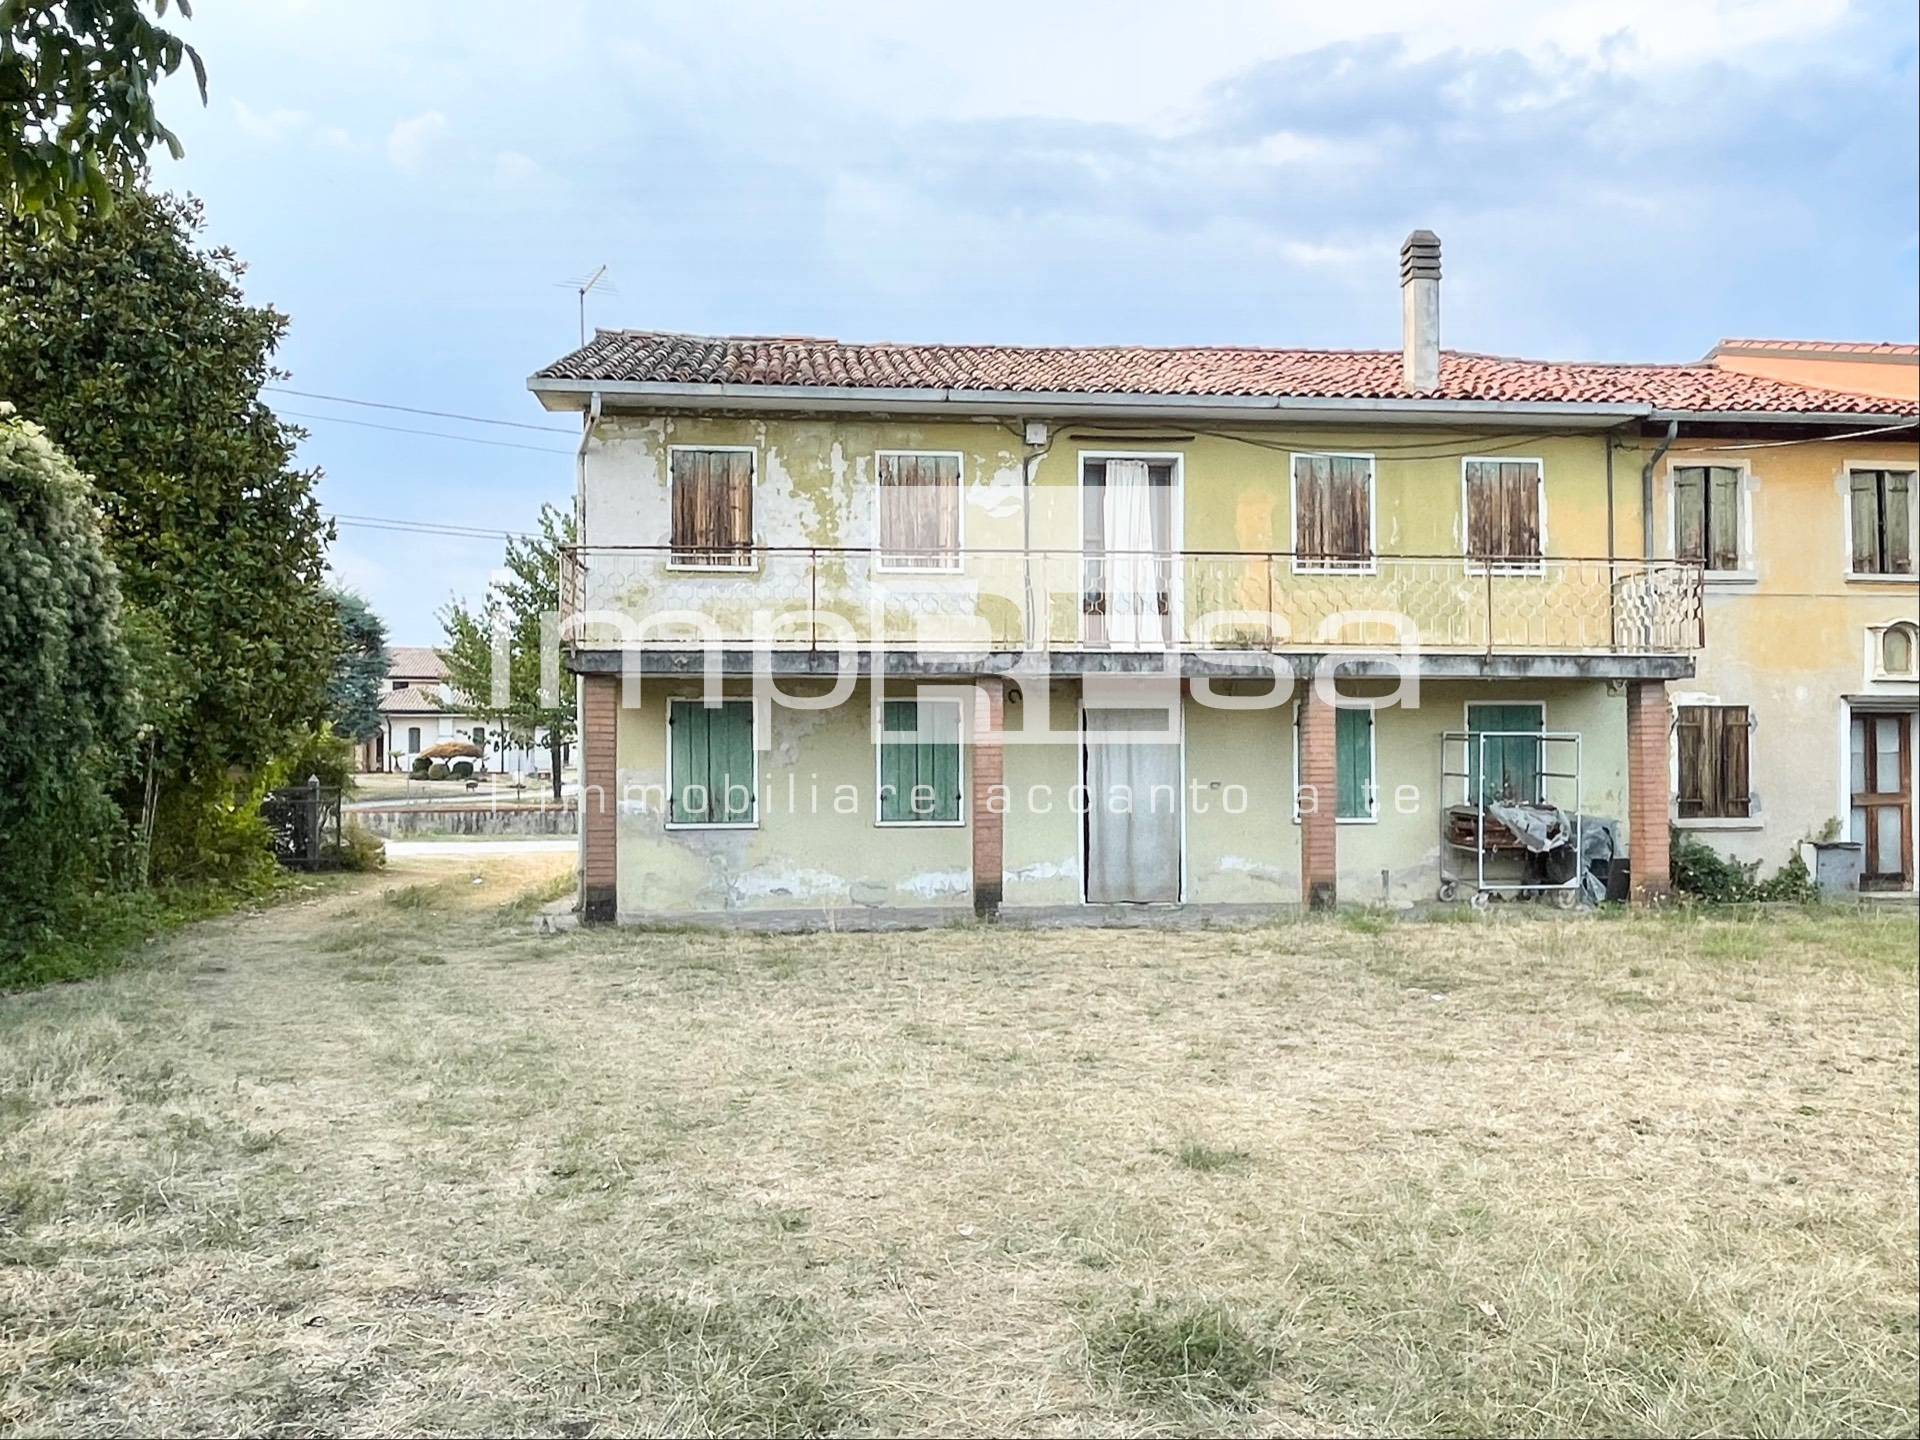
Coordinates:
[1790,638]
[814,849]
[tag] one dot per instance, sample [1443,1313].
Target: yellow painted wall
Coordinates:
[1789,637]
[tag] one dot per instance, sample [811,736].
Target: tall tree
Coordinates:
[63,688]
[135,349]
[76,102]
[520,609]
[359,670]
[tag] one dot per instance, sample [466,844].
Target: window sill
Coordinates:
[1731,577]
[920,824]
[695,826]
[1905,581]
[1721,822]
[677,568]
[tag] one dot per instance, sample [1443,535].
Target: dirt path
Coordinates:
[389,1162]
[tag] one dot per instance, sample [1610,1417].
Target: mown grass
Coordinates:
[404,1166]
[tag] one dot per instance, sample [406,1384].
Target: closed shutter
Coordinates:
[1503,510]
[919,770]
[1690,514]
[1333,509]
[1513,760]
[1712,746]
[711,763]
[712,507]
[919,511]
[1353,762]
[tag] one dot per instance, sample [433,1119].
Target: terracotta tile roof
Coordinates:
[653,356]
[1825,347]
[412,700]
[415,662]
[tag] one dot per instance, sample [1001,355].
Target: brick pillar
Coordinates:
[599,795]
[1648,791]
[1319,803]
[987,795]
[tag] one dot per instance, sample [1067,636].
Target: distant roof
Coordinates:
[411,700]
[1889,348]
[657,357]
[411,662]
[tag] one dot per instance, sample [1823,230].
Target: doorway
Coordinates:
[1129,546]
[1133,765]
[1880,771]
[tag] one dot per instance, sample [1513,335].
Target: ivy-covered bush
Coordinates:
[420,766]
[462,769]
[65,707]
[436,771]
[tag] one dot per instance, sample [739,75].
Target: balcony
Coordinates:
[823,598]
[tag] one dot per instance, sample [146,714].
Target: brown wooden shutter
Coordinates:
[712,507]
[919,510]
[1347,505]
[1690,744]
[1520,527]
[1483,504]
[1313,476]
[740,505]
[685,503]
[1690,514]
[1735,733]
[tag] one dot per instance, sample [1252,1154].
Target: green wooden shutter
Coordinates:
[1690,513]
[1513,762]
[1896,521]
[710,761]
[1353,761]
[1723,517]
[1865,498]
[927,761]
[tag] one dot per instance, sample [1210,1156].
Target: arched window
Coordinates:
[1899,645]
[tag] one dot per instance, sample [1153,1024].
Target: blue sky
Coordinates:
[413,184]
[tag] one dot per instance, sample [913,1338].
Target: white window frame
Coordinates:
[1755,818]
[959,565]
[1176,600]
[960,707]
[1531,567]
[1372,817]
[753,539]
[1746,570]
[1880,577]
[1371,565]
[1877,672]
[753,737]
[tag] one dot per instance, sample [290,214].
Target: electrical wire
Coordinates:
[428,527]
[416,410]
[433,434]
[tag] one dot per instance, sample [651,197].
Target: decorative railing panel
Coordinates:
[828,598]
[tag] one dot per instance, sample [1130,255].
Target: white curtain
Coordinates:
[1135,802]
[1133,568]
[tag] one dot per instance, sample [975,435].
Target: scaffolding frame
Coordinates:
[1473,750]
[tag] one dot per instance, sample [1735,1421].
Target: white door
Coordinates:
[1134,805]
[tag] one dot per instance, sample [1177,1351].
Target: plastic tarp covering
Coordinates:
[1543,829]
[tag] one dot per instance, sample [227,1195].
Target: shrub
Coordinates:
[1705,874]
[462,769]
[323,753]
[420,764]
[436,771]
[361,849]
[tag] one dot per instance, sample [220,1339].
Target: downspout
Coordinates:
[556,753]
[1646,491]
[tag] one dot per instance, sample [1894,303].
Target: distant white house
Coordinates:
[419,709]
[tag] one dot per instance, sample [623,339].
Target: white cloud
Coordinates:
[270,125]
[513,170]
[411,141]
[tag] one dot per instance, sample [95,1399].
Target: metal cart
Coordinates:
[1464,825]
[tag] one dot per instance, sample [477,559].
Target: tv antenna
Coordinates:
[596,281]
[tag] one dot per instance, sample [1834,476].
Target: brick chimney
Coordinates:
[1420,312]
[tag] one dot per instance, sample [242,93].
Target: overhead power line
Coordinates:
[416,410]
[431,434]
[428,527]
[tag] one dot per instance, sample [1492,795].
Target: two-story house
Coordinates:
[926,631]
[1799,721]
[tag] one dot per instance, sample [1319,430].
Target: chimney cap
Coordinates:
[1420,257]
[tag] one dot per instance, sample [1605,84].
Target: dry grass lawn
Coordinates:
[388,1162]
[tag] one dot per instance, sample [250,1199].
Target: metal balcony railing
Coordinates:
[828,597]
